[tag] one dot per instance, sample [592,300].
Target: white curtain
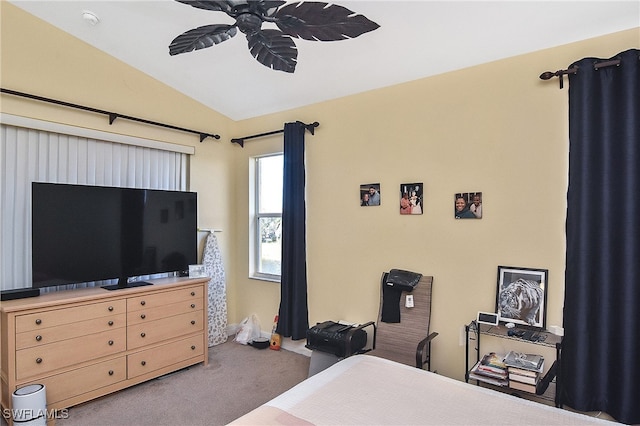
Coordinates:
[29,155]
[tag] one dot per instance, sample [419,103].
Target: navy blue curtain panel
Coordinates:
[293,316]
[600,363]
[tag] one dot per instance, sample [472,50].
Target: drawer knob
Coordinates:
[142,334]
[111,372]
[110,342]
[38,360]
[144,363]
[110,322]
[38,338]
[143,316]
[193,305]
[193,322]
[38,321]
[110,308]
[193,348]
[142,302]
[193,293]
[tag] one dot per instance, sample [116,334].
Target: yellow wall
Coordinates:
[494,128]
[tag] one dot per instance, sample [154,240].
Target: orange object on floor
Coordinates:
[276,339]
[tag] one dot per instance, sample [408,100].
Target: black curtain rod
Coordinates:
[112,115]
[240,141]
[548,75]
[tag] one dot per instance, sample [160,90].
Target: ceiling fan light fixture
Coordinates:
[273,48]
[90,17]
[249,23]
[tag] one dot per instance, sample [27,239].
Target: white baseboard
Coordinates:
[296,346]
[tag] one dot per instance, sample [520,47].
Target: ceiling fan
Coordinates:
[273,48]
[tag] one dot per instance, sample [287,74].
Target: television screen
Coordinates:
[86,233]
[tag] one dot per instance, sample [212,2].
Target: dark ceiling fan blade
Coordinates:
[266,5]
[274,49]
[201,37]
[323,22]
[215,5]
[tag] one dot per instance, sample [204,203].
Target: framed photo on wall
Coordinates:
[468,205]
[411,198]
[522,296]
[370,194]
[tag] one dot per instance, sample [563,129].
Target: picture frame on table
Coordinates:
[521,296]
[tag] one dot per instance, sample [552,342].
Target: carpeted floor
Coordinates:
[237,379]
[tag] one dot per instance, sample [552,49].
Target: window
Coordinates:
[266,226]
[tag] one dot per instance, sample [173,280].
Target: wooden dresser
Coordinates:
[86,343]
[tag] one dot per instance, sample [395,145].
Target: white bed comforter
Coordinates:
[366,390]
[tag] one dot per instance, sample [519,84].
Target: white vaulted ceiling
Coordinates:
[416,39]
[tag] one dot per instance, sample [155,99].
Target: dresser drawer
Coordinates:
[69,331]
[149,360]
[155,300]
[152,314]
[139,335]
[53,318]
[86,379]
[42,359]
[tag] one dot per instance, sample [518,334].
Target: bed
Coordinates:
[365,389]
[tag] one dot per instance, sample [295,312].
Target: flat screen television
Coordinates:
[84,233]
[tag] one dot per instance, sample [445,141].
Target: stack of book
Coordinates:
[490,369]
[524,370]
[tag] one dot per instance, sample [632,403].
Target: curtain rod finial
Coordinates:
[547,75]
[203,136]
[311,127]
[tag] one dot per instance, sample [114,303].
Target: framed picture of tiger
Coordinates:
[522,296]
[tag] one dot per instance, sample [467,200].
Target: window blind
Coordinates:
[31,155]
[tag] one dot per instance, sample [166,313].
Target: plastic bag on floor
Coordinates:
[249,330]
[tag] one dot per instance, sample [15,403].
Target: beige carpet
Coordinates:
[237,379]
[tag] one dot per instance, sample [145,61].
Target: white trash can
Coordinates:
[30,405]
